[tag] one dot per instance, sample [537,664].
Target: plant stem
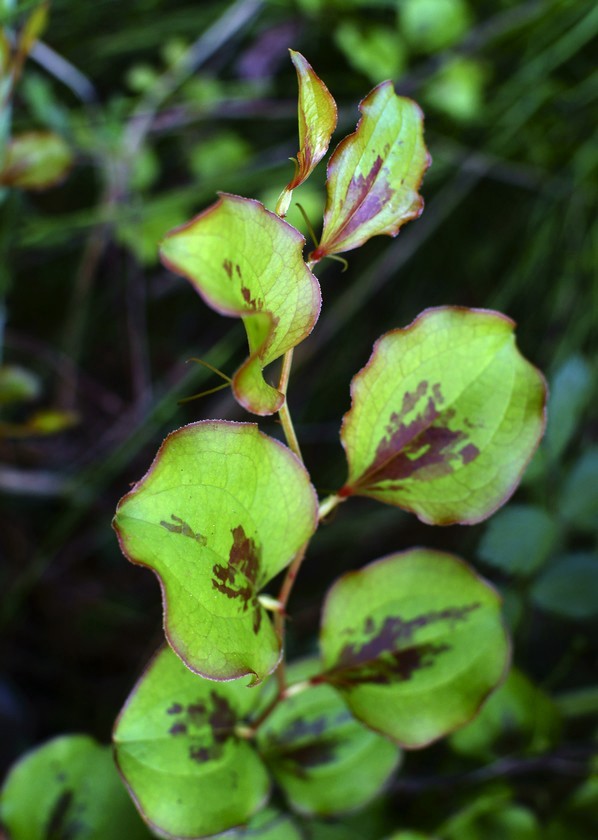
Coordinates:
[284,413]
[328,505]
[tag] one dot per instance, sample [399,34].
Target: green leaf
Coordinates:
[569,587]
[317,121]
[570,393]
[519,539]
[67,788]
[518,717]
[247,263]
[415,643]
[35,161]
[376,51]
[221,511]
[493,818]
[17,384]
[409,835]
[374,174]
[189,773]
[326,762]
[269,824]
[444,417]
[579,495]
[32,30]
[431,25]
[458,89]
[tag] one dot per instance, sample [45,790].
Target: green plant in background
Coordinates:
[444,419]
[32,160]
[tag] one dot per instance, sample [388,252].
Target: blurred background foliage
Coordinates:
[142,111]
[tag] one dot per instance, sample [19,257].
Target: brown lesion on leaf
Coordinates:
[365,198]
[307,743]
[178,729]
[391,653]
[63,823]
[421,448]
[238,579]
[179,526]
[208,723]
[228,267]
[253,303]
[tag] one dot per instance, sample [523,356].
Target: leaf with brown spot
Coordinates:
[414,642]
[325,760]
[444,417]
[179,754]
[374,174]
[221,511]
[247,263]
[68,789]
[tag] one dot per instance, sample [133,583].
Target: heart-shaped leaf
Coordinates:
[247,263]
[178,751]
[445,417]
[67,788]
[325,760]
[374,174]
[415,643]
[35,161]
[317,121]
[222,510]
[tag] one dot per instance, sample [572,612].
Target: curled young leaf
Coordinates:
[317,121]
[414,642]
[221,511]
[176,747]
[247,263]
[325,760]
[444,417]
[36,160]
[67,788]
[374,174]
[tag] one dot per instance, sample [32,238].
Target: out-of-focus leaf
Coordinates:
[493,819]
[269,824]
[570,392]
[317,121]
[458,89]
[569,587]
[225,151]
[248,263]
[32,30]
[415,643]
[579,495]
[189,773]
[374,174]
[68,788]
[221,511]
[444,417]
[17,384]
[36,161]
[325,760]
[517,717]
[431,25]
[376,51]
[409,835]
[519,539]
[49,421]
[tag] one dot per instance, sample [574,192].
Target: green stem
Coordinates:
[328,505]
[284,413]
